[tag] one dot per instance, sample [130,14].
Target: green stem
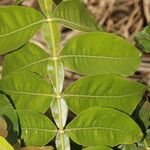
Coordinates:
[55,49]
[57,92]
[55,56]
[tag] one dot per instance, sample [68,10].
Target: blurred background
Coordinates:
[123,17]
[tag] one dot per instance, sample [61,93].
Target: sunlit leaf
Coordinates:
[74,14]
[28,91]
[93,127]
[36,129]
[100,53]
[30,57]
[104,90]
[18,25]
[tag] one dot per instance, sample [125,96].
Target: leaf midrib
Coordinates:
[99,57]
[39,130]
[67,56]
[26,66]
[100,128]
[100,96]
[27,93]
[72,23]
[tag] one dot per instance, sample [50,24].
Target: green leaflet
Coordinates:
[18,25]
[28,91]
[4,145]
[74,14]
[29,57]
[55,111]
[98,148]
[46,6]
[8,113]
[56,69]
[36,129]
[66,141]
[100,53]
[143,39]
[94,126]
[104,90]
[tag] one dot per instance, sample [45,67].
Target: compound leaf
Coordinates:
[35,126]
[93,127]
[18,25]
[100,53]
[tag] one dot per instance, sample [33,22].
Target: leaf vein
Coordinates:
[69,22]
[26,66]
[100,128]
[39,130]
[23,28]
[100,96]
[27,93]
[98,57]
